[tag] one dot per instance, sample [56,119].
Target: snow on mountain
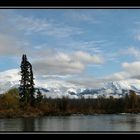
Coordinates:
[49,87]
[10,75]
[124,85]
[116,89]
[9,79]
[59,88]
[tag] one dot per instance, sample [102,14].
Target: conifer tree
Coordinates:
[32,89]
[26,89]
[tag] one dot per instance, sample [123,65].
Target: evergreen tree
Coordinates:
[26,89]
[133,99]
[39,96]
[32,89]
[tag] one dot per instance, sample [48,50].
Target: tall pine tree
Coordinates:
[32,89]
[26,89]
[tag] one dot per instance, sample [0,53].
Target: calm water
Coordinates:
[123,122]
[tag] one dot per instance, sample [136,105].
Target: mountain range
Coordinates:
[59,88]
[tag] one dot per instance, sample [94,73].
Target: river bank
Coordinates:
[35,112]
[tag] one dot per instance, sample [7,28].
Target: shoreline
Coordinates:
[36,115]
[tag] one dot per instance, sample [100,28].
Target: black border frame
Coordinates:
[64,4]
[69,3]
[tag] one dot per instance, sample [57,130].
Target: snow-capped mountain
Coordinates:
[59,88]
[49,87]
[116,89]
[9,79]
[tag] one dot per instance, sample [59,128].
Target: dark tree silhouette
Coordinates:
[32,89]
[39,96]
[26,89]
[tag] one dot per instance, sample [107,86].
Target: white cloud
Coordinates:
[137,37]
[62,63]
[133,51]
[87,81]
[116,76]
[132,68]
[57,66]
[88,58]
[10,75]
[129,70]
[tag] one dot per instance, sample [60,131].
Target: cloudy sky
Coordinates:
[81,46]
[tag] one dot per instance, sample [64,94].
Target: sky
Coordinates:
[81,46]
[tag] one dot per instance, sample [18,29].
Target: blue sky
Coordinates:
[73,43]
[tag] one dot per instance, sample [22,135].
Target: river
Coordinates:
[121,122]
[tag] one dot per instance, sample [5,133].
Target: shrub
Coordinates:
[10,99]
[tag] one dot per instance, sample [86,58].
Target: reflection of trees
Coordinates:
[39,124]
[127,122]
[54,124]
[132,120]
[28,124]
[10,125]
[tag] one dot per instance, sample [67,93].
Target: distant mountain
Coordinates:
[57,88]
[116,89]
[50,88]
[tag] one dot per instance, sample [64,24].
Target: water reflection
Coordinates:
[132,120]
[28,124]
[10,125]
[126,122]
[39,123]
[53,124]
